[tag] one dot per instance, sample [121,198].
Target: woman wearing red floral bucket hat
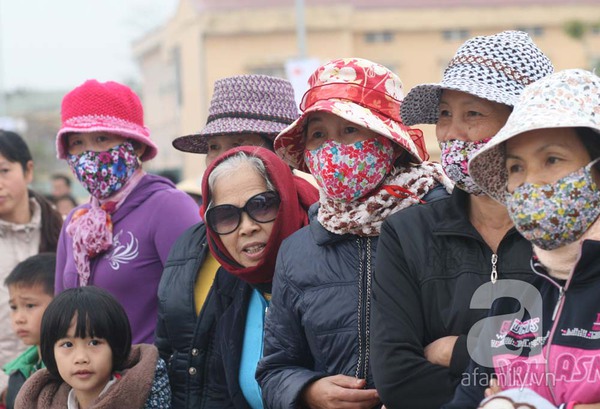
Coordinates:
[120,239]
[368,165]
[424,281]
[542,343]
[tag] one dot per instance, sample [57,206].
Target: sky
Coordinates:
[58,44]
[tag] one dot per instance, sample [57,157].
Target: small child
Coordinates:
[30,290]
[90,363]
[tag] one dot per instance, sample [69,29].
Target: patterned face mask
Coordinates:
[104,173]
[455,156]
[349,172]
[556,214]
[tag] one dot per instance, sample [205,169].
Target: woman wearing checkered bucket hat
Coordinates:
[367,165]
[457,244]
[120,239]
[544,166]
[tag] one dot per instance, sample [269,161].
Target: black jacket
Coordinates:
[431,260]
[318,322]
[223,385]
[186,340]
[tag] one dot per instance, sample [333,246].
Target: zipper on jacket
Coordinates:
[365,275]
[494,275]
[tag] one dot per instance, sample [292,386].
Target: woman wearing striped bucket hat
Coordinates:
[543,166]
[424,280]
[367,165]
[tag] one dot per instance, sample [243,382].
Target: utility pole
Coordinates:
[2,91]
[300,29]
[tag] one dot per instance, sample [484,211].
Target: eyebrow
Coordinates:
[541,149]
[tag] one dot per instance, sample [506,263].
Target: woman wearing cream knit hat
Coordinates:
[543,165]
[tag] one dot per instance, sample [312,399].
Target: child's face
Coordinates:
[27,305]
[83,363]
[323,126]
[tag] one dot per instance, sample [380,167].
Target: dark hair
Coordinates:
[38,269]
[14,149]
[99,315]
[51,223]
[66,197]
[60,176]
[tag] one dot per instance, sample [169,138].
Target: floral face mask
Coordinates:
[104,173]
[556,214]
[455,157]
[349,172]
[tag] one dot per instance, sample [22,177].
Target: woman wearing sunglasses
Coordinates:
[251,203]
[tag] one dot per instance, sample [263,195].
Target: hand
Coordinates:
[493,389]
[439,352]
[339,392]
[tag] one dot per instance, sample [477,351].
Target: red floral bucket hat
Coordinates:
[359,91]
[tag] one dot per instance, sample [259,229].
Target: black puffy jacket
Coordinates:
[184,339]
[431,260]
[318,322]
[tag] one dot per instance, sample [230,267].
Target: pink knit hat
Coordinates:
[104,107]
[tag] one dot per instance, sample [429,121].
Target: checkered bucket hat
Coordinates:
[567,99]
[496,68]
[244,104]
[359,91]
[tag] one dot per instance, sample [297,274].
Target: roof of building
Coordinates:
[242,4]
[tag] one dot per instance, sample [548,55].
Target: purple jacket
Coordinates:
[145,227]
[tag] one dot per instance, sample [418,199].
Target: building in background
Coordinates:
[209,39]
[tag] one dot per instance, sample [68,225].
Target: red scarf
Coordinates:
[296,197]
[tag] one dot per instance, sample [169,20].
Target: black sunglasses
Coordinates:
[225,219]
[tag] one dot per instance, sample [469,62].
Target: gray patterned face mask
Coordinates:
[556,214]
[455,155]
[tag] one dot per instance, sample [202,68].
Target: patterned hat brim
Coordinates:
[197,142]
[134,132]
[290,143]
[421,104]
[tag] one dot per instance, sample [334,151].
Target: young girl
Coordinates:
[28,225]
[86,346]
[120,240]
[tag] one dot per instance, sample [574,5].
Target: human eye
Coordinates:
[12,307]
[472,114]
[30,306]
[350,129]
[73,142]
[513,167]
[552,160]
[64,344]
[213,147]
[444,113]
[95,342]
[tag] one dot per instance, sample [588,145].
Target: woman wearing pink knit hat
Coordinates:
[121,238]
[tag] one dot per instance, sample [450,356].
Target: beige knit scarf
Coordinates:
[364,216]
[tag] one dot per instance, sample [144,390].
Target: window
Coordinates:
[274,70]
[456,34]
[379,37]
[533,31]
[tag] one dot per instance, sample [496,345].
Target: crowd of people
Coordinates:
[389,281]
